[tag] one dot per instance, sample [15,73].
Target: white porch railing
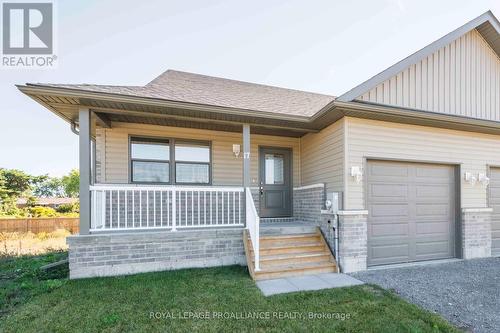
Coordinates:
[253,225]
[129,207]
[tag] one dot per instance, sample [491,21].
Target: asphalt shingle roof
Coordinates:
[208,90]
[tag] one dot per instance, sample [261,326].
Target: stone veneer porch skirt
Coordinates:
[140,251]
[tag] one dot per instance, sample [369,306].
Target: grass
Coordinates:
[175,302]
[28,243]
[21,279]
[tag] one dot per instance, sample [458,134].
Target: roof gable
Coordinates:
[487,25]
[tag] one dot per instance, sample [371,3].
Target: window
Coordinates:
[275,169]
[192,163]
[150,160]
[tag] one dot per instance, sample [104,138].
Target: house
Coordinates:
[53,202]
[192,171]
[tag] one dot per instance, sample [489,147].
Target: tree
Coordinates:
[71,183]
[49,187]
[14,182]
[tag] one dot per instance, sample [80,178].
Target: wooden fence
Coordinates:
[36,225]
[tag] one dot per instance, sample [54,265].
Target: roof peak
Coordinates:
[211,77]
[485,24]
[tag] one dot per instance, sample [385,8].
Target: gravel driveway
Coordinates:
[467,293]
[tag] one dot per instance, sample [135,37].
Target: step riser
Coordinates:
[289,242]
[291,250]
[277,231]
[279,262]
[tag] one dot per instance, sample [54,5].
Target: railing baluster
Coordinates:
[126,210]
[140,208]
[147,208]
[111,209]
[154,208]
[174,209]
[192,208]
[216,208]
[161,208]
[103,210]
[204,207]
[198,209]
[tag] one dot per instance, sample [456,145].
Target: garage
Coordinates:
[412,211]
[495,204]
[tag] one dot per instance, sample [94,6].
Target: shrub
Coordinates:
[68,208]
[39,211]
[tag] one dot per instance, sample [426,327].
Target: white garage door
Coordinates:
[411,212]
[495,204]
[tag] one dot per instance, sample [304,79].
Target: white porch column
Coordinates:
[85,151]
[246,155]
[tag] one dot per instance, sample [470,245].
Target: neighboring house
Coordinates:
[186,163]
[52,202]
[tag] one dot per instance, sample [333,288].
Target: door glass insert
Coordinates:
[275,169]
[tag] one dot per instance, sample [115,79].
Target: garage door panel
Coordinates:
[417,223]
[386,254]
[436,174]
[389,192]
[436,210]
[389,229]
[494,200]
[433,191]
[432,250]
[384,171]
[432,228]
[388,210]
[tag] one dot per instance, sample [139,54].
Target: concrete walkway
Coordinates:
[306,282]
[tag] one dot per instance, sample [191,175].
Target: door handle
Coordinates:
[261,190]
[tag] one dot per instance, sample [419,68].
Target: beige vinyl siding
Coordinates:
[384,140]
[322,157]
[226,168]
[462,78]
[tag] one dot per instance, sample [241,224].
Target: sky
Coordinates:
[320,46]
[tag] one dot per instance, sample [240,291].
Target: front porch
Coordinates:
[163,197]
[167,185]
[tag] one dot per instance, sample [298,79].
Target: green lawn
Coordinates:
[37,302]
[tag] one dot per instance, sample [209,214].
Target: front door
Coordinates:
[275,182]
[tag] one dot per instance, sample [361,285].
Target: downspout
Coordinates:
[73,128]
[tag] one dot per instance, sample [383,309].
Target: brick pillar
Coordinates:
[353,240]
[476,232]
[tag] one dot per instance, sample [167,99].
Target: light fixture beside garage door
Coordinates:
[357,174]
[472,179]
[483,179]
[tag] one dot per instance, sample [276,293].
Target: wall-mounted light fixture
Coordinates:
[470,178]
[483,179]
[356,173]
[236,150]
